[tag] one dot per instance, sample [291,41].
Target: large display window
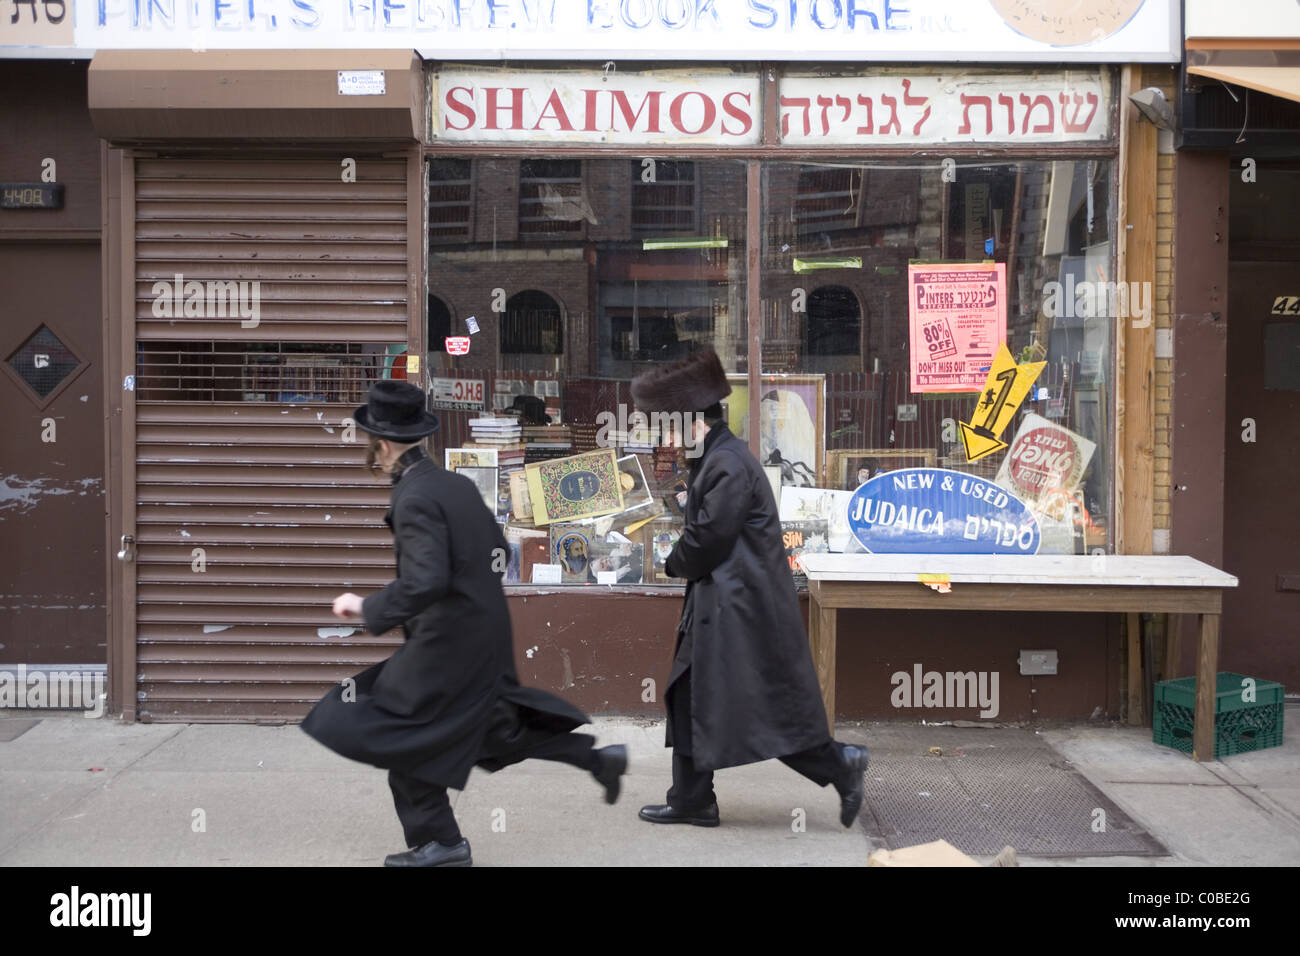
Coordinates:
[555,280]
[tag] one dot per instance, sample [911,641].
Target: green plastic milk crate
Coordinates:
[1239,726]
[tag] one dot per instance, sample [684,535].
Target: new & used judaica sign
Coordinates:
[938,511]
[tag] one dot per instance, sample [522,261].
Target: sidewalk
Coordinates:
[270,796]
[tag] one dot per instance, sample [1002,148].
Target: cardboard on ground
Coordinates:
[938,853]
[1004,390]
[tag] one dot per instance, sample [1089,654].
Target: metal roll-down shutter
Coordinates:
[253,512]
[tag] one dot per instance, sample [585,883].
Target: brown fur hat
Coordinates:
[690,385]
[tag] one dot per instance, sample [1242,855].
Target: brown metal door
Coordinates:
[251,509]
[52,448]
[1261,617]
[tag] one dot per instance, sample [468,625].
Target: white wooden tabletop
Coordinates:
[1151,570]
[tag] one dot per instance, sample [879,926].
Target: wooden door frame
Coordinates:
[118,296]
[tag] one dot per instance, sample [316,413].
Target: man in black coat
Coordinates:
[742,686]
[449,698]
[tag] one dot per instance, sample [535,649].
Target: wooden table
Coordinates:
[1116,583]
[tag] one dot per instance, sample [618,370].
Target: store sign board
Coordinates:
[457,394]
[1118,31]
[938,511]
[1259,19]
[664,106]
[919,108]
[957,317]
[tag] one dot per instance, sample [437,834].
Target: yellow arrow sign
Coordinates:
[1004,390]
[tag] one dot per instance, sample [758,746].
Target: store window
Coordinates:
[648,258]
[437,324]
[834,326]
[551,198]
[533,324]
[451,200]
[663,196]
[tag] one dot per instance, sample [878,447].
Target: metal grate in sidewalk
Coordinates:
[990,788]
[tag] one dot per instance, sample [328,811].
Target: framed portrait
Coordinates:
[850,467]
[616,562]
[792,423]
[663,534]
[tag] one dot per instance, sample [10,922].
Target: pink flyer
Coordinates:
[958,317]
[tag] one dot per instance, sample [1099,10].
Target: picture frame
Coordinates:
[454,459]
[487,482]
[792,412]
[845,465]
[624,560]
[662,535]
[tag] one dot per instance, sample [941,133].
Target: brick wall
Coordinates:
[1164,78]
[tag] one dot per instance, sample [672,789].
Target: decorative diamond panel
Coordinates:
[43,362]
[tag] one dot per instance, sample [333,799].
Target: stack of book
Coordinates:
[544,442]
[584,436]
[638,442]
[511,463]
[496,432]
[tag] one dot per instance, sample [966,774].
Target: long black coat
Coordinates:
[754,692]
[426,709]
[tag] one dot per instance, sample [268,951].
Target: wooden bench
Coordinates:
[1115,583]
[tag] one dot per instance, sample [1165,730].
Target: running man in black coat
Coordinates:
[449,698]
[742,686]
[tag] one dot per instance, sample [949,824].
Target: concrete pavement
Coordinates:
[244,795]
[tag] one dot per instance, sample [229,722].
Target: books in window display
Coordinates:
[547,433]
[662,534]
[588,556]
[310,378]
[535,455]
[495,431]
[584,436]
[576,486]
[804,537]
[528,547]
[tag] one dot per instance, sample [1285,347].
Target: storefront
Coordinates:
[856,241]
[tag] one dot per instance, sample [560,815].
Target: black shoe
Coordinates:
[853,761]
[663,813]
[609,774]
[432,853]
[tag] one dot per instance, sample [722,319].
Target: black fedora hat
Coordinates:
[531,409]
[395,410]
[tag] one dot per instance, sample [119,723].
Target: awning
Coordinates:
[1276,72]
[151,95]
[1281,81]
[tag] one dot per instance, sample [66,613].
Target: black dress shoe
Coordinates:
[609,774]
[432,853]
[854,761]
[663,813]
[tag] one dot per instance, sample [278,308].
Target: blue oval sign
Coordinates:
[937,511]
[579,485]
